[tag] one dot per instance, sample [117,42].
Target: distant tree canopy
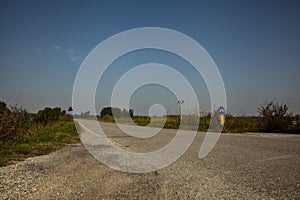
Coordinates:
[49,115]
[85,114]
[116,112]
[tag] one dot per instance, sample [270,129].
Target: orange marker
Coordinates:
[221,120]
[221,112]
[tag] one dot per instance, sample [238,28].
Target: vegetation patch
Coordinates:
[38,142]
[273,118]
[24,135]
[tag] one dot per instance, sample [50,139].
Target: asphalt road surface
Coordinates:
[241,166]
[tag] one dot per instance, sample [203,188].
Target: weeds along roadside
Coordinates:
[41,141]
[25,135]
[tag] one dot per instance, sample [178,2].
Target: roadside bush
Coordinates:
[108,118]
[141,120]
[38,142]
[49,116]
[274,117]
[172,121]
[14,122]
[204,123]
[116,112]
[239,124]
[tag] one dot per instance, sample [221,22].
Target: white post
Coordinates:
[180,102]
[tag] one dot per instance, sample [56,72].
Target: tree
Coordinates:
[131,113]
[48,115]
[63,112]
[85,114]
[106,111]
[114,112]
[275,117]
[3,108]
[70,109]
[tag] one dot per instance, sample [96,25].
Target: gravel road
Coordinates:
[241,166]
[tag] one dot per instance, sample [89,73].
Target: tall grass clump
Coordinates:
[14,122]
[274,117]
[23,134]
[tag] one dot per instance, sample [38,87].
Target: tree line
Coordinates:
[16,121]
[272,117]
[116,112]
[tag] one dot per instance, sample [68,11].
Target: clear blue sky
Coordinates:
[255,44]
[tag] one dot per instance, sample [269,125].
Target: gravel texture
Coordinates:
[241,166]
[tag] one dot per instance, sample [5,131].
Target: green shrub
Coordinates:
[204,123]
[49,116]
[38,142]
[239,124]
[141,120]
[274,117]
[14,123]
[108,118]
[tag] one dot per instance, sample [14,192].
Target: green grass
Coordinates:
[171,122]
[232,124]
[38,142]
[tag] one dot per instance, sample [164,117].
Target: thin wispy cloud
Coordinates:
[57,48]
[72,55]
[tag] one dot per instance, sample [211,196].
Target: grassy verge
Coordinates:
[171,122]
[232,124]
[38,142]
